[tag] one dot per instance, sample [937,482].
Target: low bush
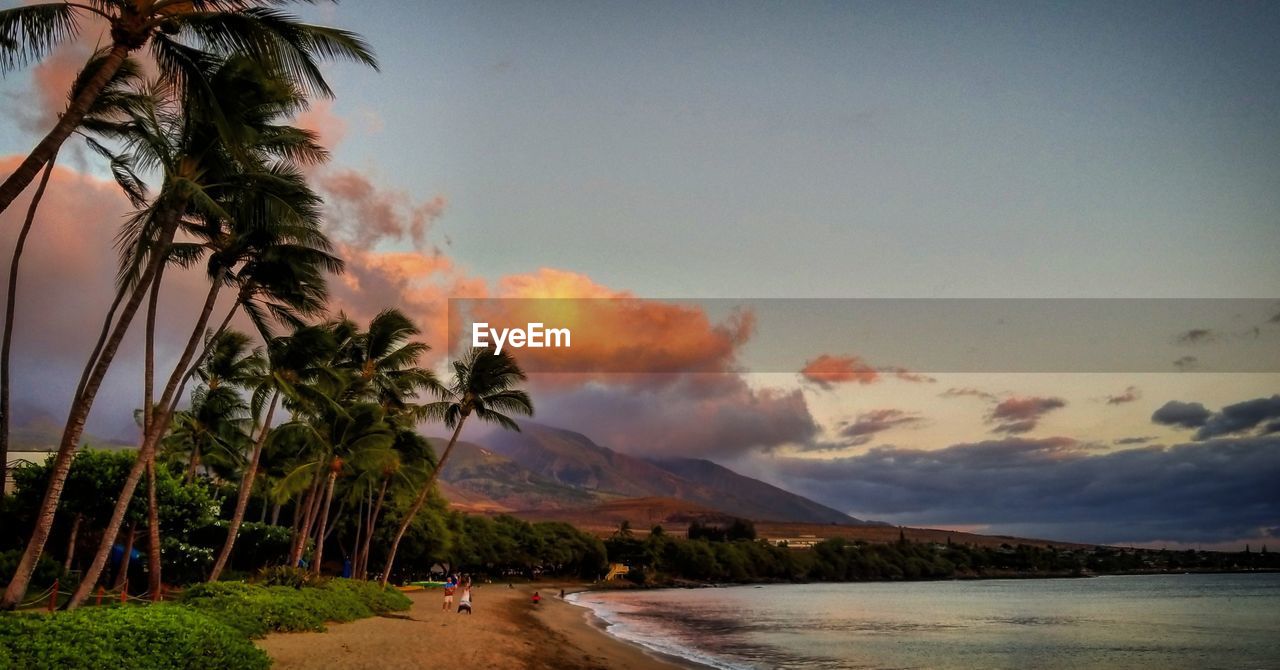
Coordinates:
[287,575]
[147,636]
[256,609]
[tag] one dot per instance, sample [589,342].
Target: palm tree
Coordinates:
[292,360]
[334,430]
[386,362]
[181,34]
[484,384]
[386,365]
[410,462]
[116,95]
[202,179]
[216,425]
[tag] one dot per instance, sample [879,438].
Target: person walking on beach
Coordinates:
[464,601]
[449,587]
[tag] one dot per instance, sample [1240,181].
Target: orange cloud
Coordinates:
[612,330]
[827,371]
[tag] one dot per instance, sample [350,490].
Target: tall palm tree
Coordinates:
[292,360]
[240,180]
[193,150]
[484,384]
[335,430]
[180,34]
[410,462]
[386,363]
[116,95]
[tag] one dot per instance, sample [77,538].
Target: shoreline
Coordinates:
[505,631]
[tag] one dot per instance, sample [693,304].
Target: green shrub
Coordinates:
[373,595]
[156,636]
[288,575]
[256,609]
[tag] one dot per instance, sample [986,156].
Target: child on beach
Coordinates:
[464,601]
[536,598]
[449,587]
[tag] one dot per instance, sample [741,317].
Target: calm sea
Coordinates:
[1162,621]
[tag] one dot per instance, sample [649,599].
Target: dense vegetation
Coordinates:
[732,554]
[308,421]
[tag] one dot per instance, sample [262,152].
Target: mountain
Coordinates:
[572,459]
[477,479]
[769,501]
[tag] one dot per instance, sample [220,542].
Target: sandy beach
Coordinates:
[505,631]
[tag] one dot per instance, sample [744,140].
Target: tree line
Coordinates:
[721,556]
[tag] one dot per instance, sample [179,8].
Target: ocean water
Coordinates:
[1156,621]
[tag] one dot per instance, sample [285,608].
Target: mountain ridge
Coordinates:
[571,459]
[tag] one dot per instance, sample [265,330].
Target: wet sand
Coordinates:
[505,631]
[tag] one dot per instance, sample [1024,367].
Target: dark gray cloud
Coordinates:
[867,425]
[1212,491]
[1260,415]
[1186,363]
[1181,414]
[1197,336]
[1241,417]
[1130,441]
[1129,395]
[1021,414]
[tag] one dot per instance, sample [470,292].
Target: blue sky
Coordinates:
[844,149]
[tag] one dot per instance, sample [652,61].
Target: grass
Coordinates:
[211,626]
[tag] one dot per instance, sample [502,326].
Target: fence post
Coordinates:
[99,601]
[53,596]
[124,591]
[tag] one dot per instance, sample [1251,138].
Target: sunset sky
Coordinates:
[782,150]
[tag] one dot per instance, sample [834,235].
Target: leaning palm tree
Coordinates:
[484,384]
[180,34]
[116,95]
[292,360]
[205,162]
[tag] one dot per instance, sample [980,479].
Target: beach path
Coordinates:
[506,631]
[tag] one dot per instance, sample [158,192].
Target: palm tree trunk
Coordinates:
[193,464]
[147,450]
[324,518]
[71,542]
[154,578]
[153,533]
[275,514]
[246,490]
[360,520]
[47,149]
[122,573]
[371,527]
[9,310]
[420,500]
[79,413]
[306,512]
